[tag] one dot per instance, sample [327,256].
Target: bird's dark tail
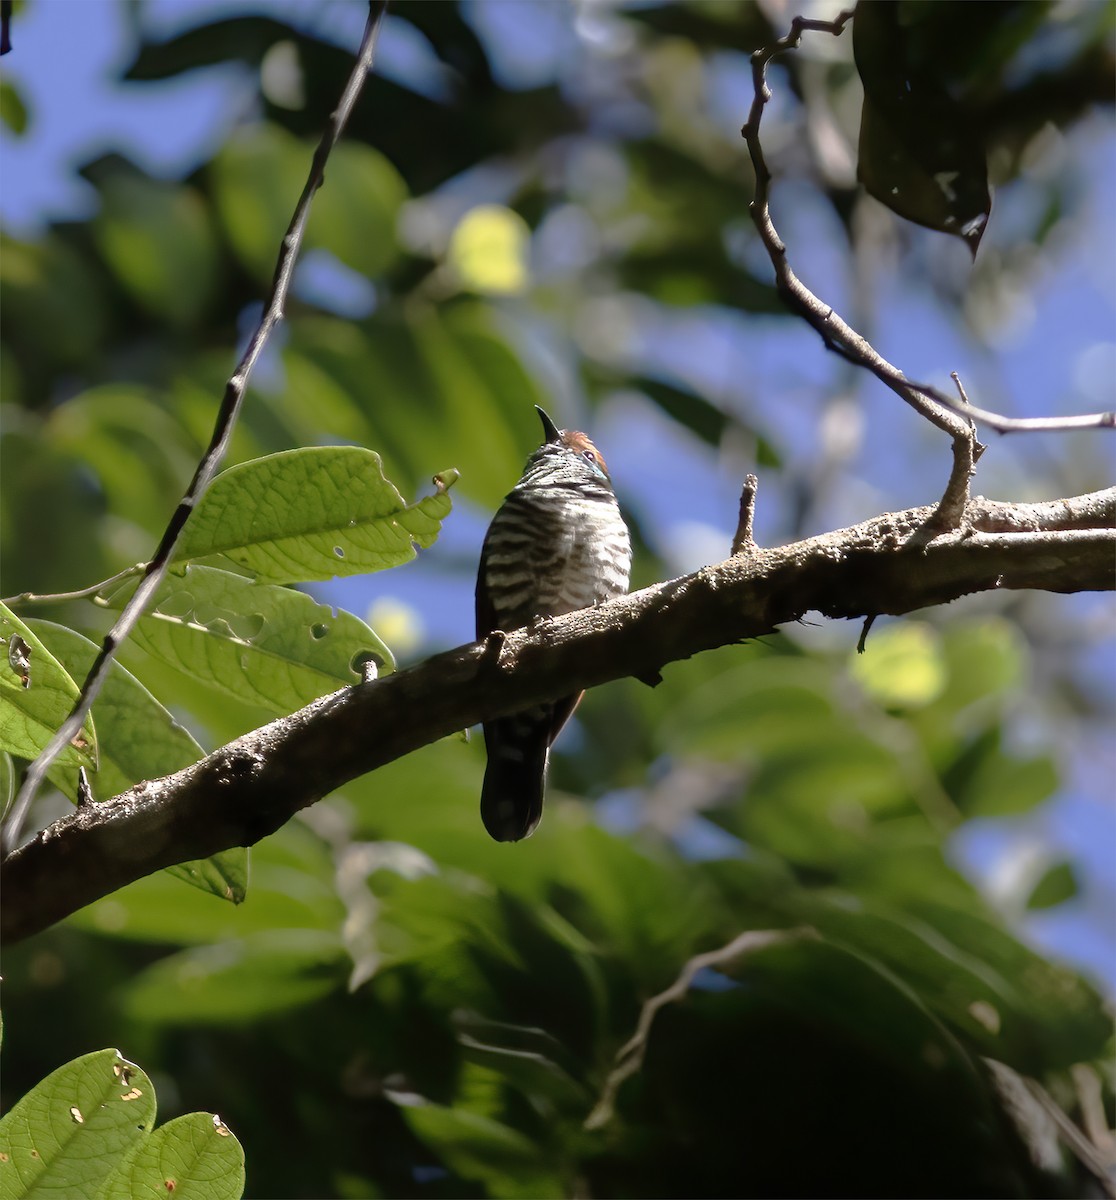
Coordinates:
[512,796]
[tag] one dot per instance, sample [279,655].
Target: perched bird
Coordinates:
[558,543]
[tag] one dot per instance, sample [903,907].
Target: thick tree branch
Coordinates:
[251,787]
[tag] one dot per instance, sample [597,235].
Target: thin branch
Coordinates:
[251,787]
[78,593]
[222,433]
[629,1058]
[1086,1153]
[937,407]
[1094,1120]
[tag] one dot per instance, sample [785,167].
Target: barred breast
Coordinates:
[552,551]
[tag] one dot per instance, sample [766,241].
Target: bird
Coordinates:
[558,543]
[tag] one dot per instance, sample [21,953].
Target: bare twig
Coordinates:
[966,452]
[937,407]
[1094,1120]
[78,593]
[629,1058]
[743,538]
[251,787]
[226,418]
[1092,1157]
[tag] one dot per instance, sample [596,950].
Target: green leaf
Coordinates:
[257,179]
[139,740]
[687,407]
[523,1055]
[158,240]
[140,453]
[983,781]
[67,1133]
[921,149]
[292,888]
[30,716]
[483,395]
[13,112]
[1057,885]
[193,1157]
[480,1148]
[312,514]
[240,980]
[902,666]
[355,210]
[55,303]
[268,646]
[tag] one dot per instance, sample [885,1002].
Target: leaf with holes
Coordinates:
[193,1155]
[67,1133]
[312,514]
[36,695]
[265,645]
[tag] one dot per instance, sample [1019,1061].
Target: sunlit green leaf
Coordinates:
[67,1133]
[266,645]
[195,1155]
[311,514]
[901,666]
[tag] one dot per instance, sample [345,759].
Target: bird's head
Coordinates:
[567,456]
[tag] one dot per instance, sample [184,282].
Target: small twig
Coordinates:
[84,788]
[838,336]
[1001,424]
[743,539]
[1091,1157]
[77,594]
[966,452]
[222,433]
[1094,1121]
[6,7]
[862,641]
[629,1058]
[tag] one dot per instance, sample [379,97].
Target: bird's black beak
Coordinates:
[552,432]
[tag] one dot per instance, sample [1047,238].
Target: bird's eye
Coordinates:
[589,456]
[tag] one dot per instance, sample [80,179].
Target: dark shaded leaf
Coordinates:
[922,151]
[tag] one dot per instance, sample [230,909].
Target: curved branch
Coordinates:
[251,787]
[949,414]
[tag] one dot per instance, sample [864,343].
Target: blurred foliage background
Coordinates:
[546,203]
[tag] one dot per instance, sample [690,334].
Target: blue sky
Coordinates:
[1051,349]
